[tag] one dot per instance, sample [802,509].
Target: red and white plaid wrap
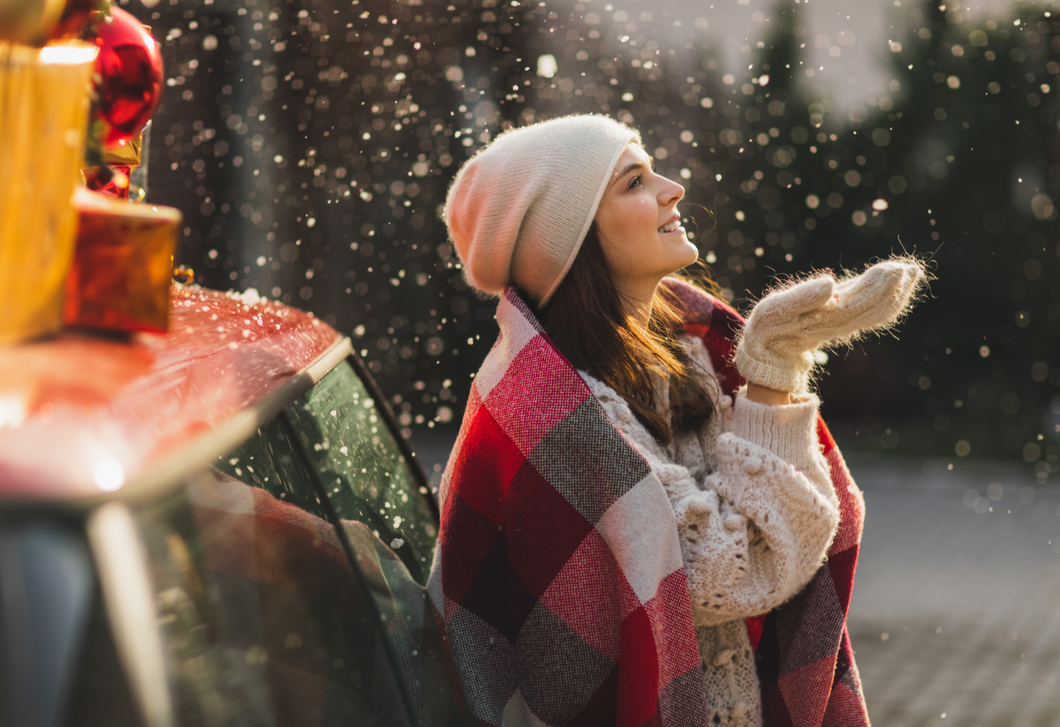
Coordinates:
[560,583]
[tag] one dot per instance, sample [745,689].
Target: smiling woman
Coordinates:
[640,228]
[620,515]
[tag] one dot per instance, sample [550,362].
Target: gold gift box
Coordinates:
[43,114]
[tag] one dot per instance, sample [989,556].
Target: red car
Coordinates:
[219,525]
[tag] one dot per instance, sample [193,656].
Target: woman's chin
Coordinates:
[692,252]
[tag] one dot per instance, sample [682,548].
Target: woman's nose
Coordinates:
[671,193]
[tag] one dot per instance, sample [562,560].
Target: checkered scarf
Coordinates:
[559,577]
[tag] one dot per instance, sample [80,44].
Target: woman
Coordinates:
[617,520]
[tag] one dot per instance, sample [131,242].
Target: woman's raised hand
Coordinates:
[776,347]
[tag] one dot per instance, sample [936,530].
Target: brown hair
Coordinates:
[587,321]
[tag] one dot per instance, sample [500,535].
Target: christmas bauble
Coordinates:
[129,69]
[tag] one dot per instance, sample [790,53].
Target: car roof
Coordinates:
[83,415]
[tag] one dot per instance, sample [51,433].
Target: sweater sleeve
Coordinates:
[759,526]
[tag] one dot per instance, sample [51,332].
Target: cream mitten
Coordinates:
[776,347]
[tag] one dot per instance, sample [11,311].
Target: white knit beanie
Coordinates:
[519,209]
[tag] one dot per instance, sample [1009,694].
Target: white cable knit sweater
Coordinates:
[755,515]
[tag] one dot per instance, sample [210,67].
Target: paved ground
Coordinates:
[956,611]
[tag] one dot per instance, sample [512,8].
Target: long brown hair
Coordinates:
[587,321]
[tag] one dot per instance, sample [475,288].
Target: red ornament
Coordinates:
[129,67]
[115,184]
[75,19]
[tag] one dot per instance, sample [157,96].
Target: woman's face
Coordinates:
[640,228]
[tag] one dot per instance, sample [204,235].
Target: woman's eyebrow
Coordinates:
[631,168]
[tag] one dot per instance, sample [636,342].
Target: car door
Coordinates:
[282,584]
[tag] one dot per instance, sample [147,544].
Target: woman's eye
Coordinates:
[635,182]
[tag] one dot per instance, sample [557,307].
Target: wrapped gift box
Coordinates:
[123,264]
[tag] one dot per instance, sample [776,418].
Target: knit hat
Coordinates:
[519,209]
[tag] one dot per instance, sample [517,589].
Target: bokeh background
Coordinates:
[310,143]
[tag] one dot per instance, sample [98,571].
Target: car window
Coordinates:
[288,577]
[385,514]
[263,619]
[270,460]
[367,476]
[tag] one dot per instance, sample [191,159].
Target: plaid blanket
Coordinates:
[559,580]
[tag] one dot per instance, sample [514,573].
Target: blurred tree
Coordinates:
[971,148]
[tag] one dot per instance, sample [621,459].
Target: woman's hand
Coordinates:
[776,347]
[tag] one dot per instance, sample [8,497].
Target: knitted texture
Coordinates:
[753,531]
[519,209]
[559,580]
[788,325]
[730,683]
